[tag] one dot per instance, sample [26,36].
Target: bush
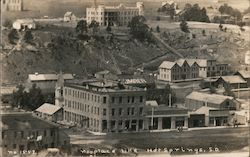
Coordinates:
[184,26]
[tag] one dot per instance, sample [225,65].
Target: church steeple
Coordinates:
[59,90]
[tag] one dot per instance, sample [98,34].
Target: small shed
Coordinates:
[50,112]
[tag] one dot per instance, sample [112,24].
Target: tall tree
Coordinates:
[184,26]
[13,36]
[94,25]
[81,27]
[28,37]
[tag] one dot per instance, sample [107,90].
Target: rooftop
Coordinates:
[23,121]
[210,98]
[104,86]
[48,77]
[233,79]
[180,62]
[48,108]
[244,73]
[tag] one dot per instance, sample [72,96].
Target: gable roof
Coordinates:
[233,79]
[167,64]
[244,73]
[180,62]
[48,77]
[23,121]
[210,98]
[69,13]
[48,108]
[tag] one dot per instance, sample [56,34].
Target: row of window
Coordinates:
[113,13]
[30,134]
[130,111]
[82,107]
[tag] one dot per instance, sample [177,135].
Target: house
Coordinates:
[216,69]
[206,116]
[182,69]
[245,74]
[246,18]
[195,100]
[159,117]
[114,15]
[234,82]
[46,82]
[24,24]
[50,112]
[69,16]
[20,131]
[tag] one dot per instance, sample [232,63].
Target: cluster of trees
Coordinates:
[161,95]
[139,29]
[27,100]
[225,9]
[168,9]
[194,13]
[13,36]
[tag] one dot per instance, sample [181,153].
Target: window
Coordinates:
[120,99]
[132,111]
[141,98]
[104,100]
[141,110]
[128,111]
[113,99]
[22,134]
[113,112]
[14,146]
[104,112]
[133,99]
[120,111]
[15,134]
[128,99]
[44,133]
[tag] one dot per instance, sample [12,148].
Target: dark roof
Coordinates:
[23,121]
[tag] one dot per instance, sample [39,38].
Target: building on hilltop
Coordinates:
[114,15]
[105,106]
[12,5]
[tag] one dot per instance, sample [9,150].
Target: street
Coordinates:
[179,143]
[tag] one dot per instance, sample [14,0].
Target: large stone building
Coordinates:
[104,106]
[190,69]
[12,5]
[114,15]
[23,132]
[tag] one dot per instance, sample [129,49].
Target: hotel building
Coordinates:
[104,106]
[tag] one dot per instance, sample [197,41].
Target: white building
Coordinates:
[24,24]
[114,15]
[12,5]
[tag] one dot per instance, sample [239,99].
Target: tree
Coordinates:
[195,13]
[161,95]
[28,37]
[225,9]
[108,29]
[28,100]
[13,36]
[203,32]
[140,30]
[81,27]
[94,25]
[184,26]
[158,29]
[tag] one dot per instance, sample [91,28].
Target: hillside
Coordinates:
[57,48]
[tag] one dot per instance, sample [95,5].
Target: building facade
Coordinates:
[182,69]
[50,112]
[12,5]
[105,106]
[113,15]
[23,132]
